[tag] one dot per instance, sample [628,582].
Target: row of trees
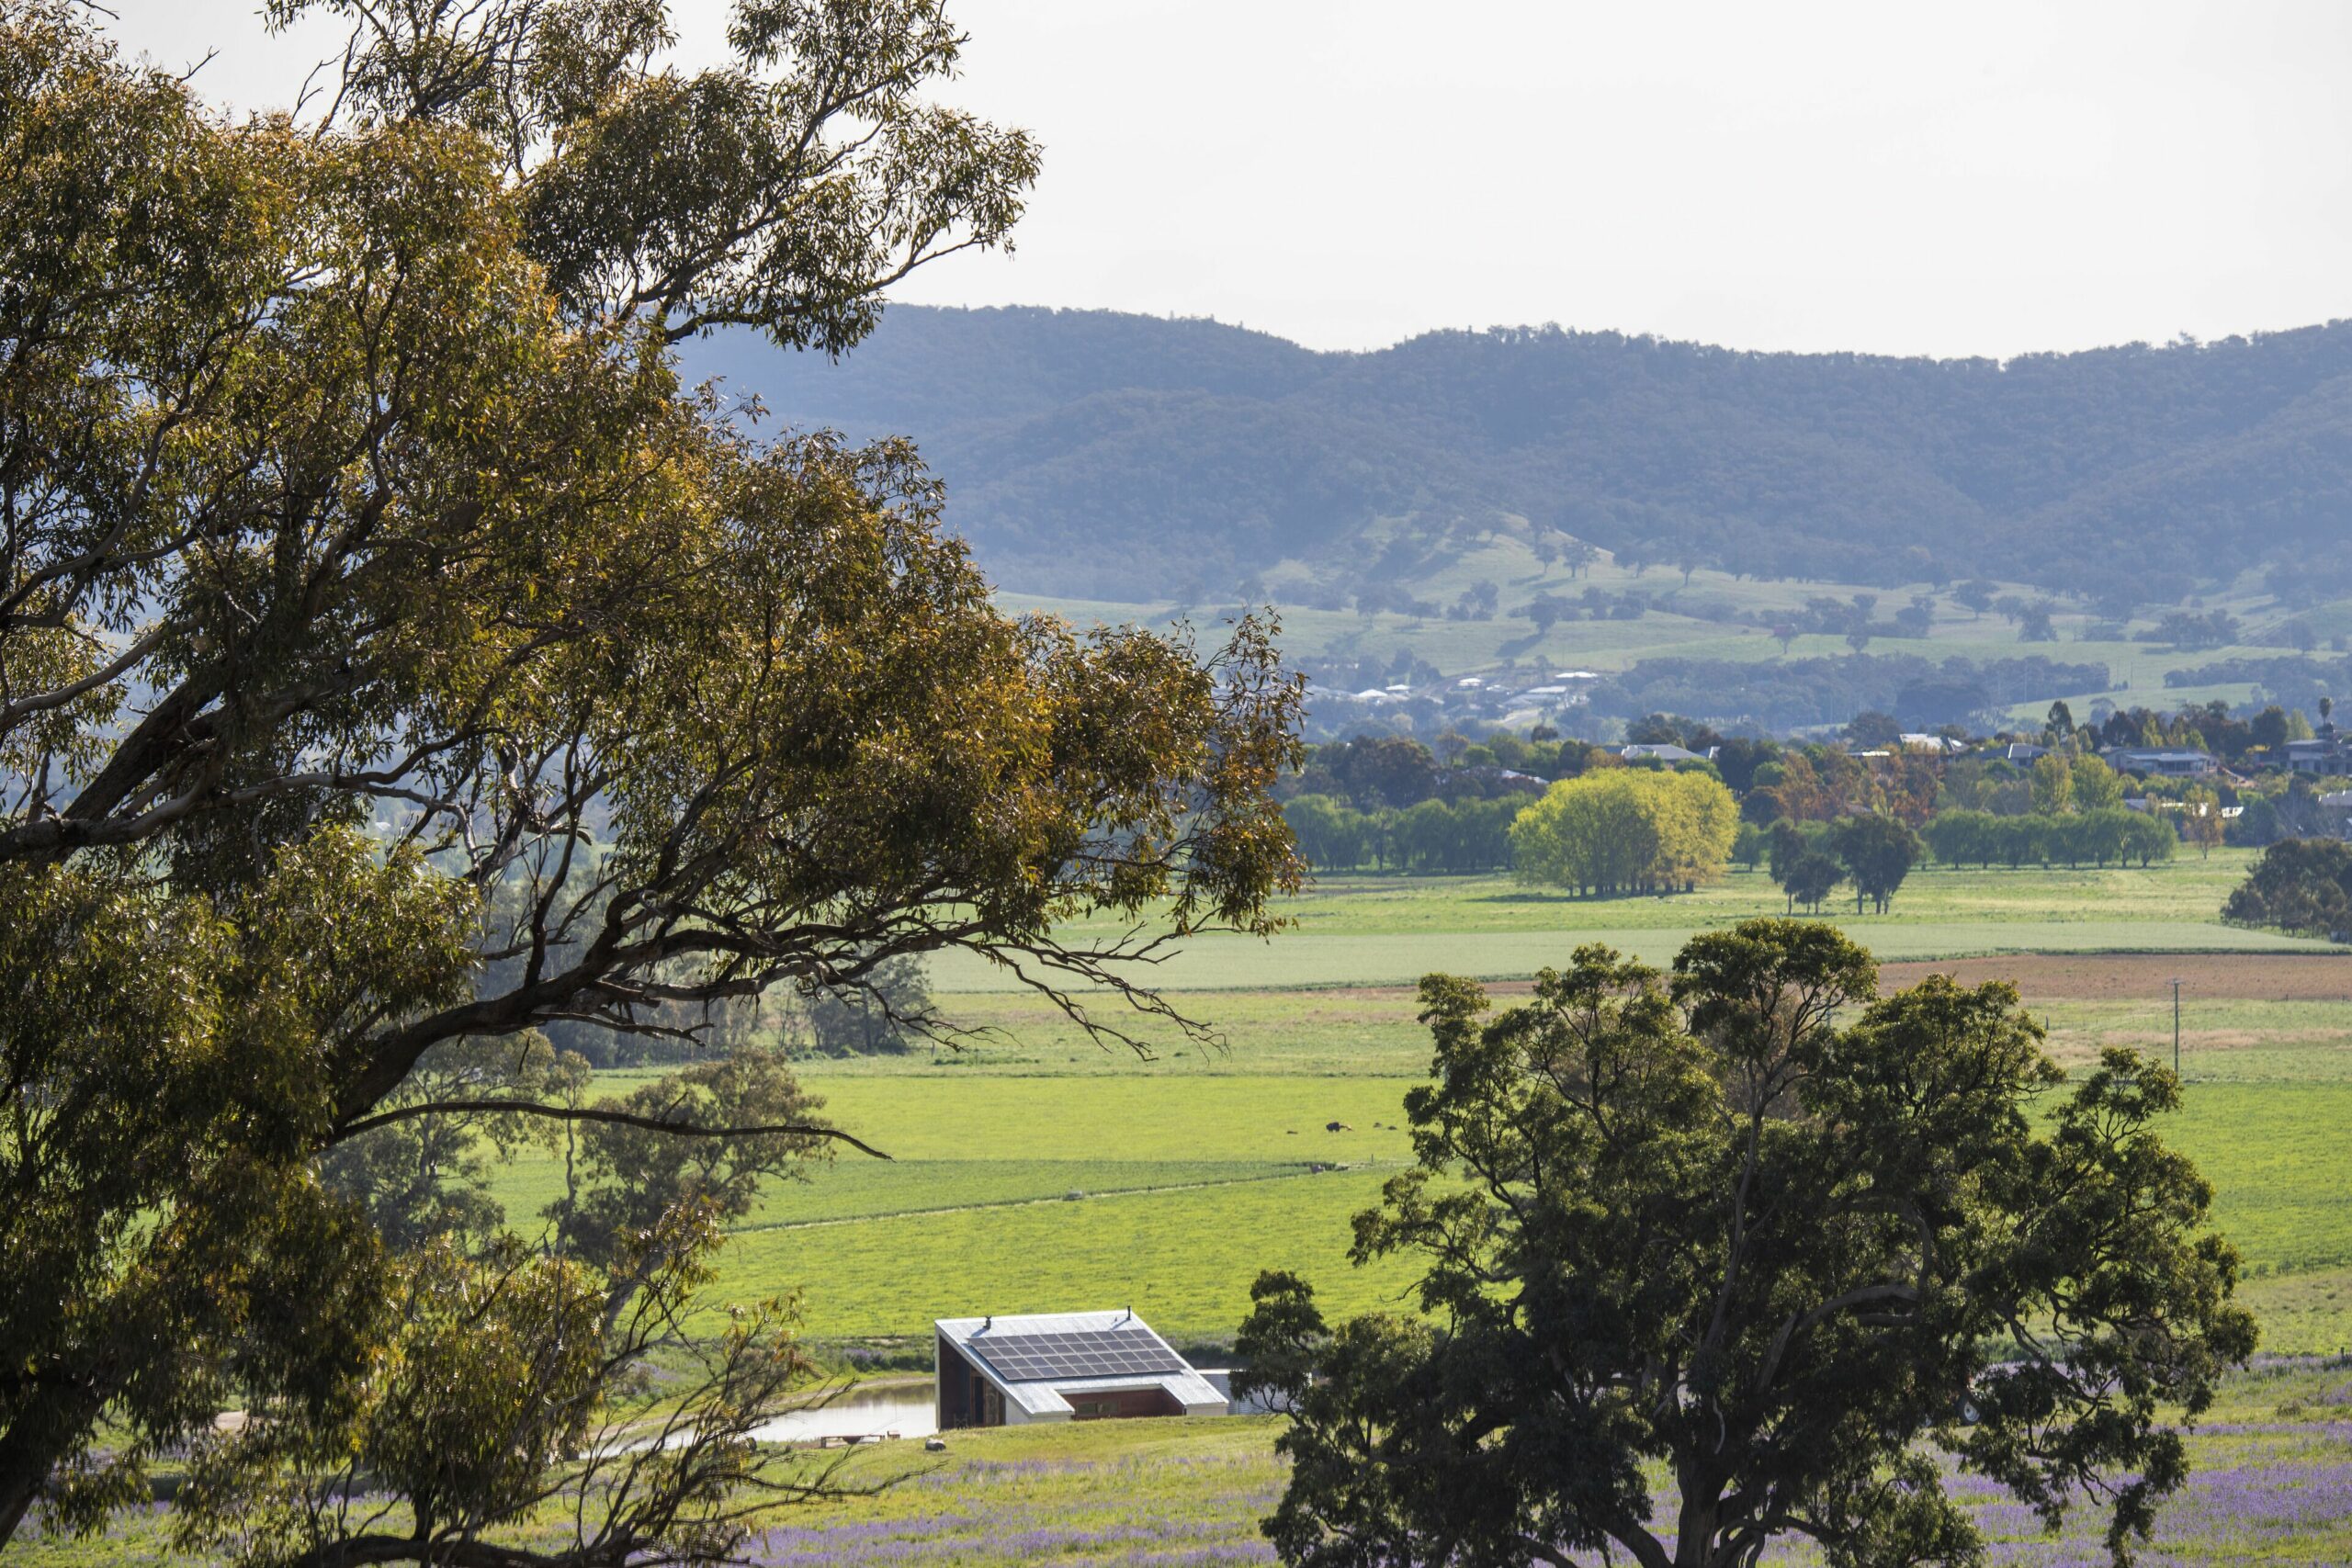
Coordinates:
[1632,829]
[1825,784]
[2099,837]
[1433,835]
[1371,772]
[1626,830]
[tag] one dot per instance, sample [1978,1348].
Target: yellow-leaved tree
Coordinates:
[1626,830]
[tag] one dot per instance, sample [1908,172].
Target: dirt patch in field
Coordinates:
[2261,976]
[2115,976]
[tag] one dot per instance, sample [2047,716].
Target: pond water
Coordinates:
[903,1409]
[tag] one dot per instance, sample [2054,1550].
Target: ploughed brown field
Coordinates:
[2113,976]
[2279,978]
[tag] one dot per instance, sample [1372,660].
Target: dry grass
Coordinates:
[2263,976]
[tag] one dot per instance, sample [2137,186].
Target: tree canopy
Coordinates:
[1626,830]
[1966,837]
[1803,864]
[1878,854]
[1753,1225]
[1466,835]
[396,657]
[2299,885]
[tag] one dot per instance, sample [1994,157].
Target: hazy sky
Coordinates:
[1901,177]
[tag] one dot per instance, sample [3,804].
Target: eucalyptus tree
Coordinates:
[1877,852]
[1700,1226]
[396,657]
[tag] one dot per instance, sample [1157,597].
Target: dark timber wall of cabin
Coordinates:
[1115,1403]
[965,1398]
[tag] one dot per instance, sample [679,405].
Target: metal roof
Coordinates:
[1006,1350]
[1088,1353]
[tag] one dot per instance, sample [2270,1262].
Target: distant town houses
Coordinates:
[2337,805]
[2326,754]
[1428,703]
[2162,762]
[1491,697]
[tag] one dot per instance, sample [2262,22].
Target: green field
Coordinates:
[2275,1153]
[1391,931]
[880,1250]
[1038,1169]
[2232,1040]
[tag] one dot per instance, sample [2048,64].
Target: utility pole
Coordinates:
[2176,1027]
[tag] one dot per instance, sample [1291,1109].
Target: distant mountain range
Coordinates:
[1099,454]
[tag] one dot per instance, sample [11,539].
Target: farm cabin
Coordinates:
[1067,1366]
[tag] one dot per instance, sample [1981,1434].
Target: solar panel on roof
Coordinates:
[1090,1353]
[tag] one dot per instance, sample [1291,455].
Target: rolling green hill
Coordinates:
[1131,458]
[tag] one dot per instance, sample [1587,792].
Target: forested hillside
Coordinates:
[1092,454]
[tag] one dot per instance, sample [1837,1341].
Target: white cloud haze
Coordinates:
[1947,179]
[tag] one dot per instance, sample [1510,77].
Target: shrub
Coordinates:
[2302,886]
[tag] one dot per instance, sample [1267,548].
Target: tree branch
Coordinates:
[594,1114]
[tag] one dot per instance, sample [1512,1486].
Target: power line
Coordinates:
[2176,1026]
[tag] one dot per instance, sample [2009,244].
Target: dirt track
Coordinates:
[2286,977]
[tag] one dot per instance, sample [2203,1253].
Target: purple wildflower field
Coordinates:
[1176,1504]
[2272,1483]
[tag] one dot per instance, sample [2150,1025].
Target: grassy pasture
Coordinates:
[1184,1253]
[2225,1040]
[2188,891]
[1332,1031]
[1182,1259]
[2275,1153]
[1387,931]
[2309,1312]
[1192,1185]
[1197,1170]
[1314,959]
[1231,1117]
[857,1188]
[1200,1167]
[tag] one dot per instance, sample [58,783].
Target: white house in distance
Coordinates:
[1064,1366]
